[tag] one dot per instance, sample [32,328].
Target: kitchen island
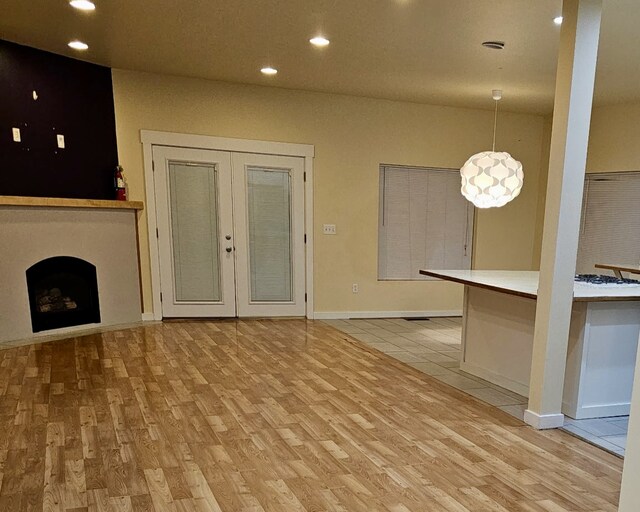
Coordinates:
[497,337]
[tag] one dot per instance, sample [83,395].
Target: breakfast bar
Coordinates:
[497,337]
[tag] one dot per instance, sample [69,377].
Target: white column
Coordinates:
[630,492]
[569,138]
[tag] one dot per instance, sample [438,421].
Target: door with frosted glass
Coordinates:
[230,233]
[268,206]
[195,232]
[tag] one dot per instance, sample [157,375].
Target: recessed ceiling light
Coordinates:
[319,41]
[268,71]
[558,20]
[78,45]
[83,5]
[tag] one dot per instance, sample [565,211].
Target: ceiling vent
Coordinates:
[494,45]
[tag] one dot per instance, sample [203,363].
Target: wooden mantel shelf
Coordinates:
[49,202]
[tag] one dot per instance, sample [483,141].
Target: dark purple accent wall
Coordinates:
[75,99]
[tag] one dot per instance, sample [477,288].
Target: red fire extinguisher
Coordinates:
[118,183]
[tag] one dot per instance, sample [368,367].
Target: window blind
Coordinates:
[269,223]
[194,232]
[610,229]
[424,222]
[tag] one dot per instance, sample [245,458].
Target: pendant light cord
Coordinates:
[495,124]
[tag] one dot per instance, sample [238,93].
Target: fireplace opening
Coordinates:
[63,292]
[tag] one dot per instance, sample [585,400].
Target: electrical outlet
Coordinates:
[60,139]
[329,229]
[16,134]
[355,288]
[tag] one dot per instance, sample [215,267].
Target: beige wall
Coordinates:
[614,145]
[545,151]
[614,141]
[352,136]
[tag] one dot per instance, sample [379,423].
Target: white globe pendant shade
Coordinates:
[491,179]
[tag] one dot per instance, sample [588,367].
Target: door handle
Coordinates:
[229,249]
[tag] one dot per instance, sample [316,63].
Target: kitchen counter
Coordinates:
[497,337]
[525,284]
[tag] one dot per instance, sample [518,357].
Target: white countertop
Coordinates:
[525,284]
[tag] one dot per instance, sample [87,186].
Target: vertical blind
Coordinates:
[610,229]
[269,223]
[424,222]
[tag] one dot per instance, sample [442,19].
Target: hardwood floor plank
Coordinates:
[159,490]
[270,415]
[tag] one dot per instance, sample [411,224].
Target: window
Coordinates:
[610,229]
[424,222]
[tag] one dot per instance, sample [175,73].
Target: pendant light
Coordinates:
[491,179]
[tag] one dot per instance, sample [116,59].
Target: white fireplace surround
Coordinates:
[104,236]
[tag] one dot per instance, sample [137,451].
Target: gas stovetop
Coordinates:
[599,280]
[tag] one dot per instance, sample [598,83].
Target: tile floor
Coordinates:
[608,433]
[433,347]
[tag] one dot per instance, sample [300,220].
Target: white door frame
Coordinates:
[151,138]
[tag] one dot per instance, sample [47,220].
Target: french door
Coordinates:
[230,233]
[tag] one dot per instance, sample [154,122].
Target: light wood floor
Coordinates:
[268,415]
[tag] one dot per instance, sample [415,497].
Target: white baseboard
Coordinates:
[345,315]
[543,421]
[595,411]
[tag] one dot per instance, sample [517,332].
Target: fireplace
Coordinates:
[63,292]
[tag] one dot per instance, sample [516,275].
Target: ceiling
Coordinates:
[425,51]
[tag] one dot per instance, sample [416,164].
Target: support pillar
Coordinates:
[569,139]
[630,492]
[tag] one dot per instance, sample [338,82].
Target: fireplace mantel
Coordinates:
[52,202]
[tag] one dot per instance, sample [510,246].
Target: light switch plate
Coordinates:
[329,229]
[60,139]
[16,134]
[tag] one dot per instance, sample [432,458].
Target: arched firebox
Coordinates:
[63,292]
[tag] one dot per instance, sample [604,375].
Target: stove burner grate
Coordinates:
[604,280]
